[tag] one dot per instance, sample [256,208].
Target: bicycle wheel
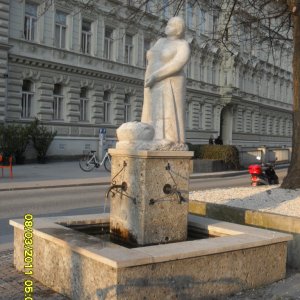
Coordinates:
[86,164]
[107,164]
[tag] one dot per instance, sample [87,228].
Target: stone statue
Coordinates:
[163,115]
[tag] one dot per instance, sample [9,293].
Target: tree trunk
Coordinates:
[292,180]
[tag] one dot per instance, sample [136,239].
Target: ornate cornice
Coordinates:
[72,69]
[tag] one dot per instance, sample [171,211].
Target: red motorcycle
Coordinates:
[263,174]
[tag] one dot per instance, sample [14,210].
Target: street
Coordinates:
[80,200]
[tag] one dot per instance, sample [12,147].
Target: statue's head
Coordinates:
[175,27]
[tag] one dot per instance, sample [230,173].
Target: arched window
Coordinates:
[27,96]
[106,107]
[84,104]
[58,99]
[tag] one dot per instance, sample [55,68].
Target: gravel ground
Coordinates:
[263,198]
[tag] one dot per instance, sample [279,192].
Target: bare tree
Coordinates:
[292,180]
[256,23]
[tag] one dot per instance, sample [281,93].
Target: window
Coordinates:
[280,91]
[108,43]
[188,115]
[106,107]
[225,78]
[213,117]
[60,29]
[86,37]
[209,73]
[200,123]
[165,12]
[253,122]
[27,95]
[215,26]
[202,20]
[244,120]
[267,89]
[281,121]
[146,48]
[269,125]
[149,6]
[241,81]
[234,30]
[127,108]
[128,49]
[84,101]
[30,21]
[275,126]
[189,15]
[57,102]
[214,74]
[201,71]
[189,68]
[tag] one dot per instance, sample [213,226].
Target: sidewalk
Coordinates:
[63,174]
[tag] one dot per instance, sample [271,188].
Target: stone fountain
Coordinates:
[149,214]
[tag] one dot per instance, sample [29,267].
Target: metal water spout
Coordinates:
[122,186]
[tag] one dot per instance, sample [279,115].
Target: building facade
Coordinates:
[80,71]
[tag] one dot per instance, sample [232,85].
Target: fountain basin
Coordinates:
[85,267]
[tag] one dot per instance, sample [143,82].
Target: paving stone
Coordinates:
[12,282]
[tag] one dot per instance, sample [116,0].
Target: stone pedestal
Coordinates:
[149,196]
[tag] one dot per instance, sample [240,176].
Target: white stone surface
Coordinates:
[264,198]
[237,237]
[164,94]
[135,135]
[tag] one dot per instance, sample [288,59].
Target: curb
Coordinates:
[22,186]
[229,173]
[72,183]
[218,174]
[37,187]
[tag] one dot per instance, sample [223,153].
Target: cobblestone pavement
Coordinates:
[12,282]
[12,285]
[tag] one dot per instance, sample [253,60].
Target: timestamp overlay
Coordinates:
[28,256]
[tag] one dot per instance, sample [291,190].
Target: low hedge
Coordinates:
[227,153]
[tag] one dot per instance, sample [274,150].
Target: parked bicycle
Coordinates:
[88,162]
